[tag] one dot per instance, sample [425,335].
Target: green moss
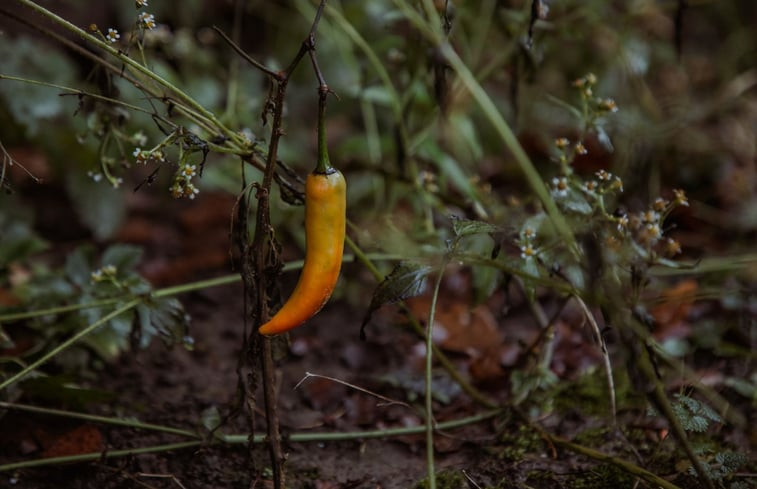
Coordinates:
[593,437]
[516,445]
[602,477]
[446,479]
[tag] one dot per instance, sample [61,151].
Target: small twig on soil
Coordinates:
[388,400]
[162,476]
[470,479]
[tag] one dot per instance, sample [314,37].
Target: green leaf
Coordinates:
[19,241]
[29,103]
[78,267]
[211,418]
[61,389]
[575,202]
[164,317]
[100,207]
[111,339]
[406,280]
[467,227]
[122,256]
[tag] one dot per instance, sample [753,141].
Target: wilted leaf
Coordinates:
[406,280]
[83,439]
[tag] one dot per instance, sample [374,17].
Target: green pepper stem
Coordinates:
[324,165]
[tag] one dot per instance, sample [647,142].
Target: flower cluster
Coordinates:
[528,249]
[647,225]
[182,185]
[144,156]
[146,20]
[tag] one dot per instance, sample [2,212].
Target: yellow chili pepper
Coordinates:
[325,220]
[325,207]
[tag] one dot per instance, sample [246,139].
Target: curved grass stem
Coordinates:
[242,439]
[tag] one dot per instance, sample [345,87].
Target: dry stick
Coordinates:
[262,243]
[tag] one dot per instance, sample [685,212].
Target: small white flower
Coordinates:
[681,198]
[147,20]
[116,182]
[96,276]
[189,171]
[96,177]
[529,233]
[650,217]
[112,35]
[622,223]
[604,176]
[590,187]
[176,190]
[617,184]
[660,204]
[560,186]
[527,251]
[141,3]
[139,138]
[190,190]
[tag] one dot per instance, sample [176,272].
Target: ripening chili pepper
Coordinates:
[325,218]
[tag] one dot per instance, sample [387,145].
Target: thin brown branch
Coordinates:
[257,64]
